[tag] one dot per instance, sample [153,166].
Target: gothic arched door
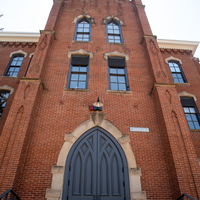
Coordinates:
[96,169]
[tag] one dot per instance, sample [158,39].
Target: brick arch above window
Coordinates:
[19,52]
[104,21]
[115,53]
[8,88]
[84,15]
[81,52]
[171,58]
[186,94]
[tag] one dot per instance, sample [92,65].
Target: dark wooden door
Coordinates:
[96,168]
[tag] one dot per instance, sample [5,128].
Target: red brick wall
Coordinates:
[6,48]
[51,119]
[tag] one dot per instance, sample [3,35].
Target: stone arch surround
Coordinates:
[96,119]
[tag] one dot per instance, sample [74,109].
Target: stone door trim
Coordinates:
[97,119]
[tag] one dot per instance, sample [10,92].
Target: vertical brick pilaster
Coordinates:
[14,138]
[180,153]
[156,59]
[53,16]
[143,18]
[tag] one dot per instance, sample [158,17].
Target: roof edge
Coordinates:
[19,37]
[178,44]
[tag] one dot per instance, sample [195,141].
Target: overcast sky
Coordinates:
[169,19]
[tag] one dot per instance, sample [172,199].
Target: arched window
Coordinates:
[114,34]
[177,71]
[83,29]
[4,94]
[14,65]
[191,112]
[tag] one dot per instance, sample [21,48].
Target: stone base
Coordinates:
[138,195]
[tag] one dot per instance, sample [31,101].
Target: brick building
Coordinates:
[140,140]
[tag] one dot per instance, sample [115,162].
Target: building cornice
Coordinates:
[19,37]
[178,44]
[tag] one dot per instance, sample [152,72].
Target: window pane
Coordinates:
[170,64]
[194,118]
[117,41]
[19,63]
[122,87]
[13,63]
[80,29]
[120,71]
[191,125]
[14,74]
[116,31]
[73,84]
[111,41]
[75,69]
[177,69]
[82,85]
[110,31]
[111,37]
[74,77]
[86,30]
[172,69]
[179,76]
[11,69]
[188,117]
[197,125]
[176,80]
[113,78]
[186,110]
[82,77]
[181,81]
[192,110]
[113,70]
[86,25]
[114,86]
[121,79]
[83,69]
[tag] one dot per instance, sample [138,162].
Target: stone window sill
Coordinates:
[15,77]
[74,41]
[115,43]
[182,84]
[194,130]
[76,90]
[118,91]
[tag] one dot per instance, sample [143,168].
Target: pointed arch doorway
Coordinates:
[96,168]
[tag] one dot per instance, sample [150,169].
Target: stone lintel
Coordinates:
[57,169]
[161,85]
[33,80]
[135,171]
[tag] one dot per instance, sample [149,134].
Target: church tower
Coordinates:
[99,113]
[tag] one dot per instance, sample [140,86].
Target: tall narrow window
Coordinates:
[83,29]
[114,34]
[177,72]
[78,74]
[14,65]
[191,112]
[4,94]
[118,79]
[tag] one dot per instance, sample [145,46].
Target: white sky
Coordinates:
[169,19]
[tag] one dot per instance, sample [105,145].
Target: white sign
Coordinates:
[139,129]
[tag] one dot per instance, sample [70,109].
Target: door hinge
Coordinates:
[98,197]
[123,184]
[68,182]
[122,169]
